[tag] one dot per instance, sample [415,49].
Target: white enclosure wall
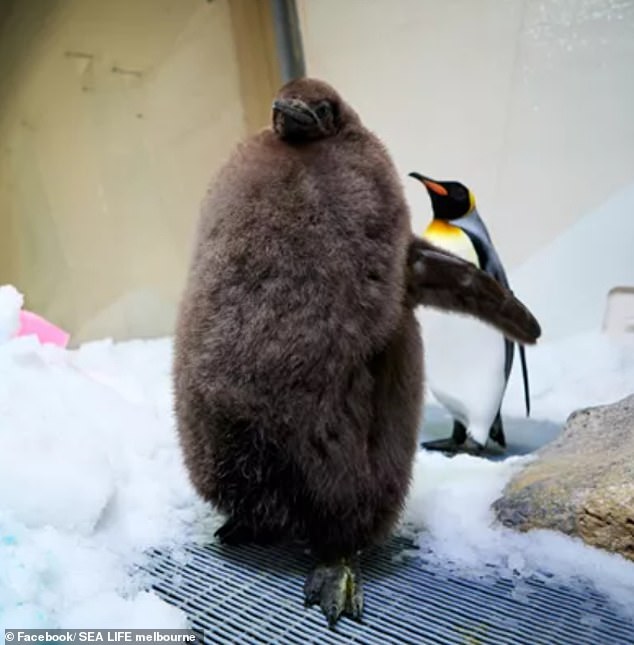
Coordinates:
[529,102]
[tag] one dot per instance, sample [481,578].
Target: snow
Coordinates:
[91,475]
[449,513]
[10,304]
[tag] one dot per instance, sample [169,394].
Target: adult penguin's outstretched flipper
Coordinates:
[439,279]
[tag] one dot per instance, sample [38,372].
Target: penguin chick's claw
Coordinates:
[337,589]
[437,278]
[233,533]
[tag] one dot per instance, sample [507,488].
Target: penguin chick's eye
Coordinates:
[324,110]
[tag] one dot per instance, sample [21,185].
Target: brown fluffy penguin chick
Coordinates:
[298,359]
[297,364]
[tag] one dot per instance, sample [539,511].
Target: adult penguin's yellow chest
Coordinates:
[451,238]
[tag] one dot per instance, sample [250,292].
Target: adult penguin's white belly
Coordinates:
[464,358]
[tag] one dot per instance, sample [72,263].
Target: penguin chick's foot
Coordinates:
[337,589]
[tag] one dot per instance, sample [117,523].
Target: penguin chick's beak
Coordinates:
[296,110]
[430,184]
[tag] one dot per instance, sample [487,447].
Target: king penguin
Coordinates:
[468,363]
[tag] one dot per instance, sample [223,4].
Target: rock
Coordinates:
[582,483]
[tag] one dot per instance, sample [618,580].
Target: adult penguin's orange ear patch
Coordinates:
[439,279]
[435,187]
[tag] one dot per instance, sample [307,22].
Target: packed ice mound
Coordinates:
[90,475]
[10,304]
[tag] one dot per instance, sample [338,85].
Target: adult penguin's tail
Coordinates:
[527,394]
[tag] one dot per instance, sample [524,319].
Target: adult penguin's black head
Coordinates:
[450,199]
[307,109]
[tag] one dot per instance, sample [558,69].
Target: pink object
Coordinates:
[46,331]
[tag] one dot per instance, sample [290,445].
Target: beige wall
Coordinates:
[113,115]
[530,102]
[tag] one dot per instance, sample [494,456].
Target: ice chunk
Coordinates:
[11,301]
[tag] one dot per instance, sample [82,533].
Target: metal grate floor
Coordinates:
[254,595]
